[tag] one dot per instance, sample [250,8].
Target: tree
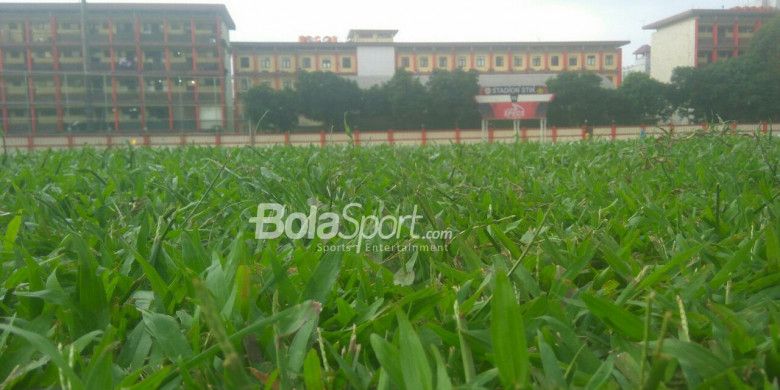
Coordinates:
[451,100]
[326,97]
[278,109]
[580,97]
[746,88]
[407,99]
[647,99]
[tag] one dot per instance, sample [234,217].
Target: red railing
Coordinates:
[322,138]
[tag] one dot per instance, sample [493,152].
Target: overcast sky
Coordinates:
[459,20]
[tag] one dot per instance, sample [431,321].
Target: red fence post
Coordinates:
[30,142]
[147,141]
[287,138]
[524,134]
[613,131]
[457,135]
[357,137]
[491,135]
[705,126]
[70,141]
[554,134]
[733,127]
[764,127]
[583,132]
[218,139]
[322,138]
[109,141]
[424,135]
[390,137]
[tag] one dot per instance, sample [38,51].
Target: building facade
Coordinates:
[142,67]
[641,63]
[172,68]
[698,37]
[371,57]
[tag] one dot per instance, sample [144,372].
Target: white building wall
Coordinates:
[673,46]
[376,60]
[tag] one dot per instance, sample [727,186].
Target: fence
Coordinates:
[322,138]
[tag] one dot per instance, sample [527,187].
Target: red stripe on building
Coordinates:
[546,60]
[510,61]
[566,60]
[714,42]
[619,80]
[601,61]
[735,34]
[114,86]
[168,81]
[30,84]
[55,53]
[222,79]
[193,43]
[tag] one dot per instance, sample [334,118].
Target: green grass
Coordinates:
[634,264]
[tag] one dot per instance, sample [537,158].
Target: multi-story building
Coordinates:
[153,67]
[641,61]
[371,57]
[701,36]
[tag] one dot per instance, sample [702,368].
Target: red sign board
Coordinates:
[515,111]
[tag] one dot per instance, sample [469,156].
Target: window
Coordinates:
[244,62]
[555,61]
[536,61]
[404,62]
[745,29]
[346,62]
[287,84]
[572,61]
[609,60]
[461,62]
[499,61]
[265,63]
[244,84]
[423,62]
[286,63]
[518,61]
[442,62]
[480,61]
[326,63]
[591,60]
[306,63]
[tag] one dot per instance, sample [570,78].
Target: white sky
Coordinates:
[457,20]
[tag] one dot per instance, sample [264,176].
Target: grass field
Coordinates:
[648,263]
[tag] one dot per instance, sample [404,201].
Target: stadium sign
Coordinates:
[515,90]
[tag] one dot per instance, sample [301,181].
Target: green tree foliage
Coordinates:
[408,101]
[647,99]
[451,102]
[325,97]
[579,97]
[278,109]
